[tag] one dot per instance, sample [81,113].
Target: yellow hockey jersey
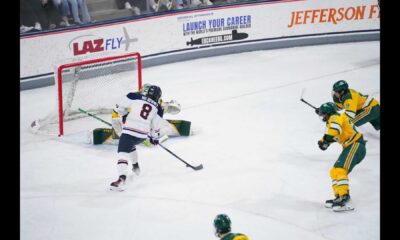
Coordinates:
[339,128]
[354,101]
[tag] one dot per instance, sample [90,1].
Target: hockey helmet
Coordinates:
[340,86]
[145,88]
[222,223]
[154,92]
[326,110]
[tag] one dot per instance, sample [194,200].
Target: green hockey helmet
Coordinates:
[340,86]
[326,110]
[222,223]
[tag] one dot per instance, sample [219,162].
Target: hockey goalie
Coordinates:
[170,128]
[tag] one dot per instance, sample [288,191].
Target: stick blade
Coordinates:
[196,168]
[302,93]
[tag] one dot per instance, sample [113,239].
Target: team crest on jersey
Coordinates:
[334,118]
[347,105]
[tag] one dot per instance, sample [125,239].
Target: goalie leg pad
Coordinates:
[101,135]
[182,126]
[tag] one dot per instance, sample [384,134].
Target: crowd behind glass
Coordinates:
[40,15]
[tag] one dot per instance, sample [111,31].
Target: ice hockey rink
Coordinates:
[256,140]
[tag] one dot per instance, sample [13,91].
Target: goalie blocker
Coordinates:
[174,128]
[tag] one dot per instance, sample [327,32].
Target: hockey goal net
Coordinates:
[94,85]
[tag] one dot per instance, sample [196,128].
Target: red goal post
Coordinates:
[88,62]
[93,84]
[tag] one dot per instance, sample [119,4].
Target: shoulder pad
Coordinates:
[336,118]
[134,95]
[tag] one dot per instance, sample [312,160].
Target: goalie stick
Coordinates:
[94,116]
[304,101]
[166,149]
[187,164]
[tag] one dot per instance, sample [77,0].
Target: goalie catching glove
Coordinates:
[171,107]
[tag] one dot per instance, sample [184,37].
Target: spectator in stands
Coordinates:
[63,7]
[200,3]
[195,3]
[131,5]
[162,5]
[77,5]
[180,4]
[32,16]
[53,16]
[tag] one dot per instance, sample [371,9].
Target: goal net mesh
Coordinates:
[93,85]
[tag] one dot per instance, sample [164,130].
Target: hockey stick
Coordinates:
[166,149]
[304,101]
[94,116]
[162,139]
[187,164]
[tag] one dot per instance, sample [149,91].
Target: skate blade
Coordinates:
[328,205]
[342,209]
[116,189]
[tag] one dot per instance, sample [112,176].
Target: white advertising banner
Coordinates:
[198,29]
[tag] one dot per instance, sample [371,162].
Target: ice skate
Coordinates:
[340,204]
[329,203]
[118,185]
[136,169]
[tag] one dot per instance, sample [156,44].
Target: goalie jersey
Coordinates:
[339,128]
[142,116]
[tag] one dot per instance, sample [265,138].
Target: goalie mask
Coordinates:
[154,92]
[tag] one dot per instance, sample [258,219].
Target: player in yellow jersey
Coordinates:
[359,107]
[222,226]
[340,129]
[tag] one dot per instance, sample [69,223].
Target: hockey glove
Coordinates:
[323,145]
[153,141]
[171,107]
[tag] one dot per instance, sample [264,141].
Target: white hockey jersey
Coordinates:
[142,116]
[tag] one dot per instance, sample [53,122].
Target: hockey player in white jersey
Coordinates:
[169,128]
[142,119]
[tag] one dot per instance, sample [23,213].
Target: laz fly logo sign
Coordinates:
[86,44]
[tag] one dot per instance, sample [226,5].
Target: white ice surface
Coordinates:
[256,140]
